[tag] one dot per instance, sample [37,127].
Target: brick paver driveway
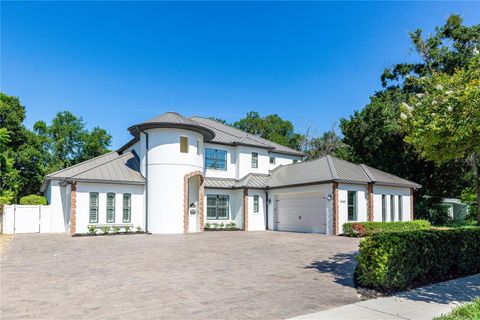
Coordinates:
[213,275]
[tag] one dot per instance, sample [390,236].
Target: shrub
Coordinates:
[33,199]
[362,229]
[139,229]
[127,228]
[116,229]
[231,226]
[207,226]
[92,229]
[398,260]
[106,229]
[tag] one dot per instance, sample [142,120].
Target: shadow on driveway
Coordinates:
[341,266]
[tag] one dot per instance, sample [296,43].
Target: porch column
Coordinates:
[245,209]
[335,207]
[73,208]
[370,202]
[411,204]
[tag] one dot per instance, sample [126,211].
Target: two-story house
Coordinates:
[178,173]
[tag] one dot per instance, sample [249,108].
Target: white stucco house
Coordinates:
[179,173]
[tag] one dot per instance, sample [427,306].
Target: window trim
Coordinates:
[185,139]
[216,159]
[90,207]
[217,196]
[256,203]
[129,208]
[114,196]
[355,205]
[254,161]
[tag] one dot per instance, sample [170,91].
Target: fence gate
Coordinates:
[24,219]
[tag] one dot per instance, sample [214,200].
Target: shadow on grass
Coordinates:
[341,266]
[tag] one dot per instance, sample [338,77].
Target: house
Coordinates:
[178,173]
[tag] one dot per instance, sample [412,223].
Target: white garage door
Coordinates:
[301,212]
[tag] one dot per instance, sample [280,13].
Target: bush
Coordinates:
[106,229]
[362,229]
[398,260]
[92,229]
[33,199]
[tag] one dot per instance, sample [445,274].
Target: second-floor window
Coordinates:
[272,160]
[184,144]
[215,159]
[254,160]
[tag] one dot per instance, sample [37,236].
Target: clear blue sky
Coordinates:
[118,63]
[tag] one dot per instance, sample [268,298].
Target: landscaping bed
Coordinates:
[397,261]
[468,311]
[107,230]
[362,229]
[231,226]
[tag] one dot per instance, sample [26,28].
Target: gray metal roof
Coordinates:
[384,178]
[108,168]
[172,120]
[219,183]
[253,180]
[329,168]
[225,134]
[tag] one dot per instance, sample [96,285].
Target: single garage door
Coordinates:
[301,212]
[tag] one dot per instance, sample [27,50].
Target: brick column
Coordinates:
[411,204]
[335,207]
[245,209]
[201,202]
[370,202]
[73,208]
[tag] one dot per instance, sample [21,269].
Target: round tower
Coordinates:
[172,158]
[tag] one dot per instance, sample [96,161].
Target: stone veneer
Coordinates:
[73,208]
[201,193]
[335,207]
[370,202]
[245,209]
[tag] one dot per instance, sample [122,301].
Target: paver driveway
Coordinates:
[212,275]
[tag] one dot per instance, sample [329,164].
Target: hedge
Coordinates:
[398,260]
[33,199]
[362,229]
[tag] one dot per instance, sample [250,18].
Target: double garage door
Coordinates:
[301,212]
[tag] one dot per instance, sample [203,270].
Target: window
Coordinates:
[184,144]
[127,207]
[199,147]
[295,161]
[400,213]
[392,208]
[352,205]
[384,208]
[93,207]
[272,160]
[216,159]
[254,160]
[217,207]
[110,207]
[255,204]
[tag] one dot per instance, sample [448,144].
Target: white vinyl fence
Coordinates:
[28,219]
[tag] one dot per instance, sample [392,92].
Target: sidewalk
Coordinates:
[418,304]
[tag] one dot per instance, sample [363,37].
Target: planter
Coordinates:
[236,229]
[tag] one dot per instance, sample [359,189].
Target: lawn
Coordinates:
[468,311]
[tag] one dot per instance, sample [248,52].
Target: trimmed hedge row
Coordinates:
[398,260]
[362,229]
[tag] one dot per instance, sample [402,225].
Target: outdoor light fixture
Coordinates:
[329,197]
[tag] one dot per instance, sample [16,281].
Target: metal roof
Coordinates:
[108,168]
[253,180]
[219,183]
[225,134]
[384,178]
[172,120]
[301,173]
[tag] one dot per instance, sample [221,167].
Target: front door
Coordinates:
[192,217]
[193,208]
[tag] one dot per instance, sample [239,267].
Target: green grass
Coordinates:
[469,311]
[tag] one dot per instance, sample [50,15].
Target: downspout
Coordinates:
[266,209]
[146,178]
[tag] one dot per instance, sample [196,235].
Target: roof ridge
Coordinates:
[331,167]
[89,169]
[366,172]
[218,123]
[80,163]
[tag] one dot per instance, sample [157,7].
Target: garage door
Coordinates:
[301,212]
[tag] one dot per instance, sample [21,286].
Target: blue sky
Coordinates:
[118,63]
